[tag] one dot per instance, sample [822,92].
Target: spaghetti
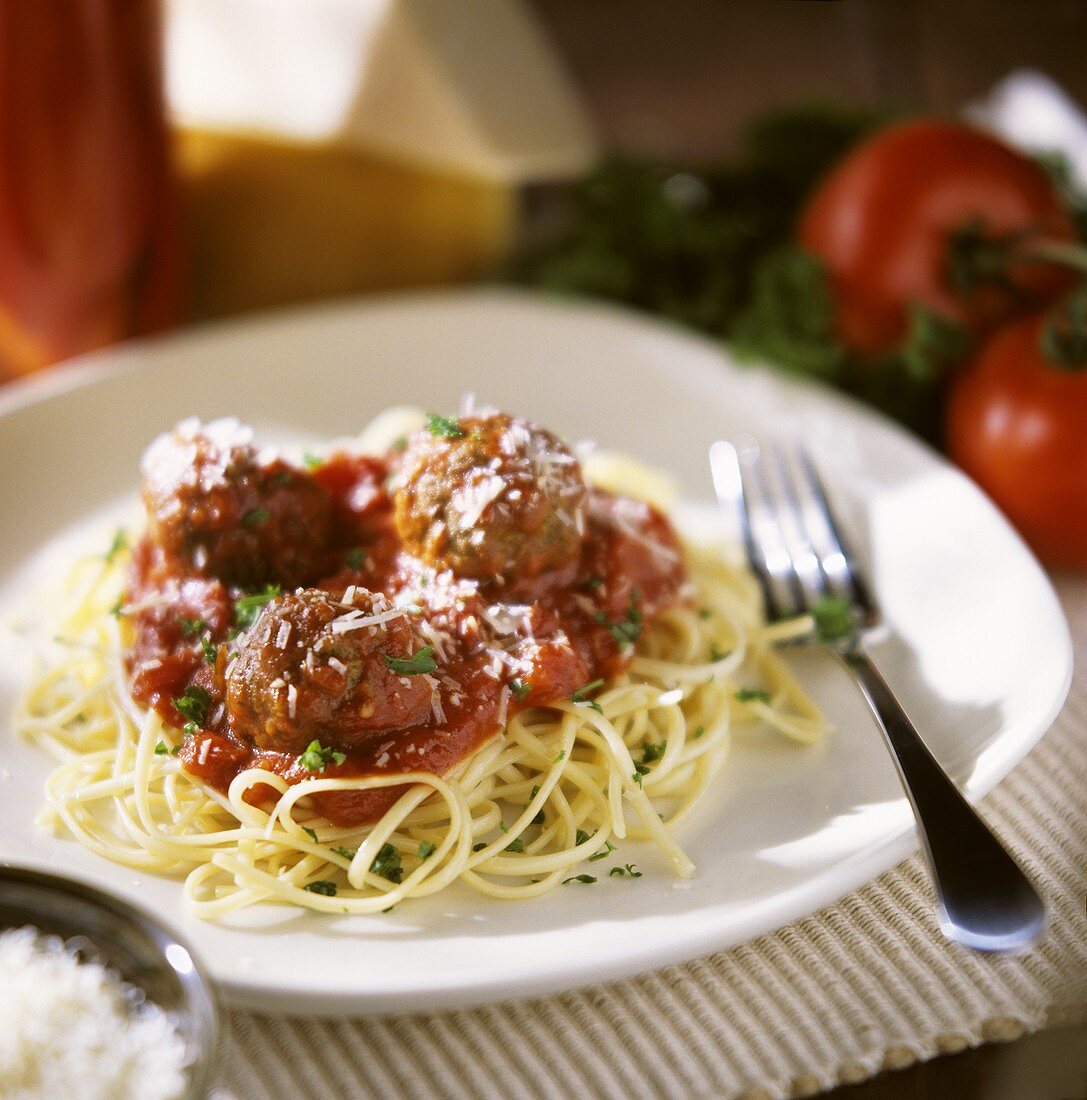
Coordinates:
[547,798]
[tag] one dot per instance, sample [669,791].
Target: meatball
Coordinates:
[217,509]
[313,667]
[490,496]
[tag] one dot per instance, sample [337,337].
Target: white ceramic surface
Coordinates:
[979,651]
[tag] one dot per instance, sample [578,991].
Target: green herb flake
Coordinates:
[604,852]
[580,696]
[210,650]
[561,757]
[418,664]
[355,559]
[520,689]
[426,849]
[387,864]
[639,771]
[193,705]
[345,853]
[704,612]
[316,758]
[255,517]
[581,836]
[115,610]
[699,730]
[717,653]
[161,749]
[628,629]
[517,845]
[311,833]
[321,886]
[444,427]
[589,879]
[628,870]
[480,846]
[191,627]
[312,461]
[248,608]
[652,751]
[120,542]
[833,617]
[751,695]
[593,581]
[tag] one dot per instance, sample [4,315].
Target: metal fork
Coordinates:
[796,549]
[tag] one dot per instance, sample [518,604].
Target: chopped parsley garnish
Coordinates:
[321,886]
[444,427]
[311,833]
[210,650]
[653,751]
[562,756]
[426,849]
[480,846]
[161,749]
[539,818]
[312,461]
[579,878]
[504,827]
[717,653]
[115,610]
[593,581]
[751,695]
[346,853]
[255,517]
[639,771]
[604,852]
[247,608]
[190,729]
[191,627]
[400,444]
[704,612]
[833,617]
[355,559]
[628,629]
[193,704]
[581,696]
[581,836]
[316,758]
[418,664]
[520,689]
[517,845]
[628,870]
[387,863]
[120,542]
[699,730]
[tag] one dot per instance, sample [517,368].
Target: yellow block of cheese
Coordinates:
[271,221]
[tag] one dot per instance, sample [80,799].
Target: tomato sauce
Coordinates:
[500,647]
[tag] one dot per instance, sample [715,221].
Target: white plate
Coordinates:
[980,651]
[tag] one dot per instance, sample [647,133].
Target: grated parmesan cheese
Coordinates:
[73,1029]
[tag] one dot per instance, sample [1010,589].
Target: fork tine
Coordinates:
[741,485]
[838,564]
[807,562]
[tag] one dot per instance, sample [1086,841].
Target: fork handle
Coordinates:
[985,900]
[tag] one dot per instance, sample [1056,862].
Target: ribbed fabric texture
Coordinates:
[865,985]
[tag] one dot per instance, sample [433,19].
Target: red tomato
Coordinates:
[1016,425]
[880,222]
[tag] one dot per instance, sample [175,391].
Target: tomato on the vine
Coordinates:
[1017,424]
[936,214]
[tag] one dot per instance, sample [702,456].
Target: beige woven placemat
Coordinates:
[864,985]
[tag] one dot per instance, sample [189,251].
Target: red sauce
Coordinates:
[564,630]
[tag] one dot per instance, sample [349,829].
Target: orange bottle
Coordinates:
[89,241]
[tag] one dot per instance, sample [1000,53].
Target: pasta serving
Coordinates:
[358,679]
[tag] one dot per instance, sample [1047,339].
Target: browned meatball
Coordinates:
[490,496]
[308,670]
[217,509]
